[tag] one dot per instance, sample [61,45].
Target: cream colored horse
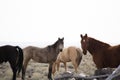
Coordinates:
[72,54]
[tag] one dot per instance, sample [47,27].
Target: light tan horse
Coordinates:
[72,54]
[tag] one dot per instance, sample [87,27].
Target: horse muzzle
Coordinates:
[60,50]
[84,52]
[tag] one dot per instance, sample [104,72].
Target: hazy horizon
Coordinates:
[41,22]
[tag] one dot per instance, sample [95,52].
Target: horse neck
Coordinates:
[52,53]
[53,49]
[96,46]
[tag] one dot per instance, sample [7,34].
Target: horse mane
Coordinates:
[97,44]
[53,45]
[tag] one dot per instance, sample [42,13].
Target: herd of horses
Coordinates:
[104,55]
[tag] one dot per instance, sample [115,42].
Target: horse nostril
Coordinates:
[60,50]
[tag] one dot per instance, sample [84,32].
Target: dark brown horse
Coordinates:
[13,55]
[43,55]
[104,55]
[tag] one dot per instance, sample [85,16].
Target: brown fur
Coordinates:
[104,55]
[43,55]
[72,54]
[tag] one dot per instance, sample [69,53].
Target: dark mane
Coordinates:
[94,41]
[96,44]
[53,45]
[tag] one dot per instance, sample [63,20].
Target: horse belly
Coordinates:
[3,59]
[64,58]
[114,63]
[39,59]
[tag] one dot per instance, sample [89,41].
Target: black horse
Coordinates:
[13,55]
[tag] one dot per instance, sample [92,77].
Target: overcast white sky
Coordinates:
[43,21]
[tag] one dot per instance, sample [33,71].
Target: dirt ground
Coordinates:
[39,71]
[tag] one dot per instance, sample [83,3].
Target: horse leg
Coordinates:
[23,73]
[14,74]
[54,68]
[24,68]
[75,65]
[14,69]
[65,66]
[58,65]
[50,71]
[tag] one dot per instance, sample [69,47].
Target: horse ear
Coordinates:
[58,38]
[63,38]
[85,35]
[81,36]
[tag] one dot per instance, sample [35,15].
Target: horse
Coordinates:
[13,55]
[70,54]
[104,55]
[47,54]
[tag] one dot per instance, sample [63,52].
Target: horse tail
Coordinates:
[20,59]
[79,56]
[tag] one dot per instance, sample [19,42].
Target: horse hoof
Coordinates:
[50,79]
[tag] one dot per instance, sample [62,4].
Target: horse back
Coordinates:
[7,53]
[72,54]
[72,51]
[43,55]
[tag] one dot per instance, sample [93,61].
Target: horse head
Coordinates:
[84,43]
[60,44]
